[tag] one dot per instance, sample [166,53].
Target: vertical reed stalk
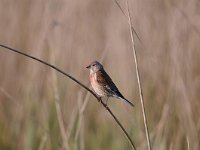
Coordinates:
[138,78]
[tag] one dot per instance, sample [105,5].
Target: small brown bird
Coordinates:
[102,83]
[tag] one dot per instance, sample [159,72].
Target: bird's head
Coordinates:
[94,66]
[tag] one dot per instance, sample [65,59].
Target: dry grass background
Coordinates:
[70,34]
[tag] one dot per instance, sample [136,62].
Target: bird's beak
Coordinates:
[88,67]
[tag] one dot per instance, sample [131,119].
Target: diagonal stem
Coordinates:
[127,18]
[78,82]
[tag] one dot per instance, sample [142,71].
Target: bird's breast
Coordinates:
[93,79]
[96,86]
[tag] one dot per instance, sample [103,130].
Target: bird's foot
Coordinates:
[105,104]
[99,99]
[102,102]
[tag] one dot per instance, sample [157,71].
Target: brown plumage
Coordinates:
[104,80]
[102,83]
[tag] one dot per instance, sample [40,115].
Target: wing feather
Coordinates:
[104,80]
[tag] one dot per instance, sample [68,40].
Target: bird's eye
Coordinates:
[94,65]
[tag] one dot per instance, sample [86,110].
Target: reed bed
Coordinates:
[70,34]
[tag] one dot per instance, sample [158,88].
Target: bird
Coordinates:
[102,84]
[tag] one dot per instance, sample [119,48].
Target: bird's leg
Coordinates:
[100,99]
[107,100]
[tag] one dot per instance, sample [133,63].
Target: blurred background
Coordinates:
[42,109]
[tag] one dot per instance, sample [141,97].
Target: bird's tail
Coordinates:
[117,94]
[127,101]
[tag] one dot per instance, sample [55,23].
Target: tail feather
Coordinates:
[127,101]
[120,96]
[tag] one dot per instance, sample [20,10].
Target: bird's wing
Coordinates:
[104,80]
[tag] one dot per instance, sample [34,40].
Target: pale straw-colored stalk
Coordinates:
[138,78]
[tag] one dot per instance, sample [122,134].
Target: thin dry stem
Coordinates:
[86,99]
[78,133]
[43,142]
[58,108]
[127,19]
[81,84]
[188,143]
[71,123]
[138,79]
[9,96]
[81,118]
